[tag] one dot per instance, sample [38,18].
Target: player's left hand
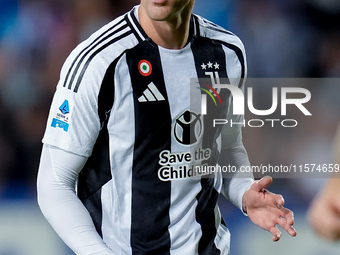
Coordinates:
[266,210]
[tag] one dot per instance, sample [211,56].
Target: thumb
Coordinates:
[263,183]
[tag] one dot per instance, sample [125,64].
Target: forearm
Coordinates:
[60,205]
[233,153]
[236,184]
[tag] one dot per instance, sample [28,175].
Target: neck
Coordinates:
[172,33]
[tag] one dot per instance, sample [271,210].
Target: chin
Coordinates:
[159,16]
[160,13]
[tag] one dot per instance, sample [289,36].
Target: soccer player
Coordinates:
[324,212]
[116,131]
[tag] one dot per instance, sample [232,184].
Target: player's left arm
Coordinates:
[264,208]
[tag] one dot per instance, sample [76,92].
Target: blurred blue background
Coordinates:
[291,38]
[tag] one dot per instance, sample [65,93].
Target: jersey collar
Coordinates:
[133,21]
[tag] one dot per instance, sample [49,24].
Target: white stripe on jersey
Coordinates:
[183,192]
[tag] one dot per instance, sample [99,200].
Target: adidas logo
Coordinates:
[151,94]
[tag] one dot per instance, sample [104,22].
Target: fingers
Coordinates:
[276,234]
[282,217]
[278,200]
[267,210]
[283,213]
[263,183]
[286,226]
[288,215]
[285,218]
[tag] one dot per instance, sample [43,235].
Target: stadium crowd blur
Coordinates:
[292,38]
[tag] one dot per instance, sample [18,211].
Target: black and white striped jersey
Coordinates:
[131,107]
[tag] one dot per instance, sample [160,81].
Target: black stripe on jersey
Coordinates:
[95,174]
[205,216]
[192,30]
[151,197]
[133,29]
[197,25]
[240,56]
[87,63]
[85,49]
[97,171]
[204,50]
[94,207]
[138,26]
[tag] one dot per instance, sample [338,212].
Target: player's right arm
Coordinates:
[72,129]
[58,172]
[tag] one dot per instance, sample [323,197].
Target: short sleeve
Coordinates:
[73,123]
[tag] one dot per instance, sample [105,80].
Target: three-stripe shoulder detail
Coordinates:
[135,26]
[80,63]
[196,25]
[240,56]
[231,40]
[211,26]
